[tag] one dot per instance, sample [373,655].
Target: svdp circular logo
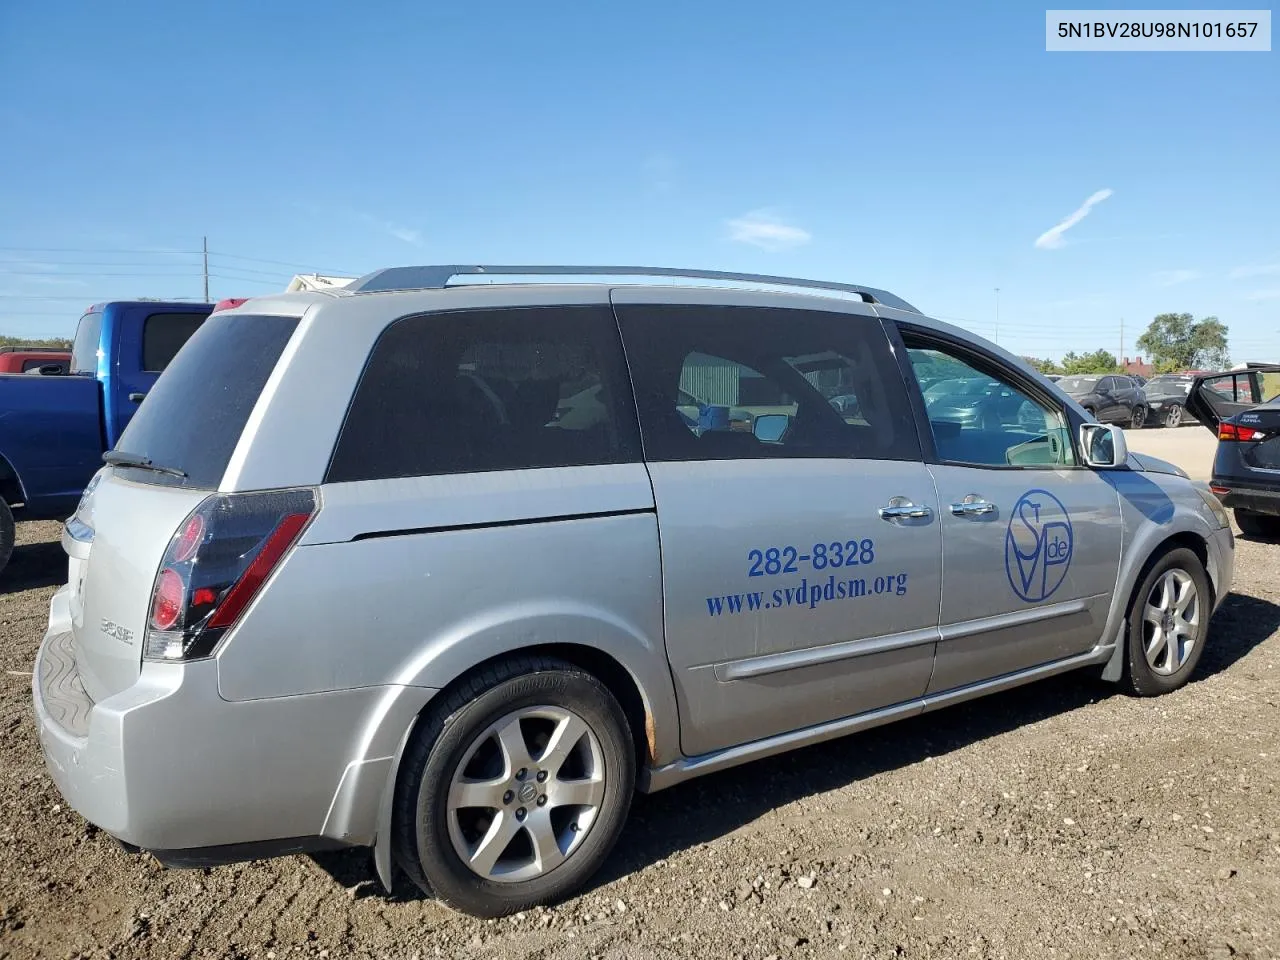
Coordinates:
[1037,548]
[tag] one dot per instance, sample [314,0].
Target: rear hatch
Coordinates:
[1218,397]
[170,458]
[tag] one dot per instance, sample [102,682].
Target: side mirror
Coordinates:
[1103,446]
[771,427]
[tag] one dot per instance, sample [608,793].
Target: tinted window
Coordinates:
[722,383]
[480,390]
[194,415]
[163,335]
[988,419]
[84,351]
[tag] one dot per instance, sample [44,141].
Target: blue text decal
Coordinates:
[1038,546]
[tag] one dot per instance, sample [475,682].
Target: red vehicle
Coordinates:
[36,360]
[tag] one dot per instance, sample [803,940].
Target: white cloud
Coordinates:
[1051,239]
[1171,278]
[763,229]
[1255,270]
[1257,295]
[402,233]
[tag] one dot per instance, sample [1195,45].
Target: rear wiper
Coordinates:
[119,458]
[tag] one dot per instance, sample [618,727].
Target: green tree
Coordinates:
[1099,361]
[1043,366]
[1178,341]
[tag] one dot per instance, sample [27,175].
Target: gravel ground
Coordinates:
[1059,820]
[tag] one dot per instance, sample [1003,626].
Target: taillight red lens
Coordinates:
[1235,432]
[230,303]
[189,539]
[167,600]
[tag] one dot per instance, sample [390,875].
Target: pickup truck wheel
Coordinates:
[514,787]
[1168,624]
[7,533]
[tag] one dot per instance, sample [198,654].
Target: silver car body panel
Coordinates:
[295,726]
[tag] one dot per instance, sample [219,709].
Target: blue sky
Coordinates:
[920,147]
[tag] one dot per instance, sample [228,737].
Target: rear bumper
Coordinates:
[1249,496]
[168,766]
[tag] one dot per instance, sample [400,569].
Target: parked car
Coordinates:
[1246,465]
[55,428]
[1167,399]
[1111,398]
[34,360]
[973,401]
[350,581]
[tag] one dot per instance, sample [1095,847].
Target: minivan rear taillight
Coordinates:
[216,562]
[1233,431]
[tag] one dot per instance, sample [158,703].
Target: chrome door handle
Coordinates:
[972,506]
[900,508]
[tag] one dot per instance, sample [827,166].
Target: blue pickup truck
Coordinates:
[54,430]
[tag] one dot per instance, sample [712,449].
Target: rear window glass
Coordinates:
[163,335]
[482,390]
[194,415]
[84,352]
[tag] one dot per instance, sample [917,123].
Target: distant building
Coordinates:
[314,281]
[1139,369]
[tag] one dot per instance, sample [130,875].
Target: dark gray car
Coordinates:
[1167,399]
[1108,398]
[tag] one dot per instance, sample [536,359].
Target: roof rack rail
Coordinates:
[437,277]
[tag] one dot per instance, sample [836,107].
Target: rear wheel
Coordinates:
[1257,524]
[1173,416]
[1138,418]
[1168,624]
[8,532]
[515,788]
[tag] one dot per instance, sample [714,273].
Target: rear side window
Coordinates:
[193,417]
[729,383]
[163,335]
[482,390]
[84,351]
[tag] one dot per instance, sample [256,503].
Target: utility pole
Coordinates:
[206,269]
[997,315]
[1122,340]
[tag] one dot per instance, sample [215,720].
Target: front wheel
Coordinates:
[1138,418]
[1173,416]
[515,788]
[1168,624]
[8,533]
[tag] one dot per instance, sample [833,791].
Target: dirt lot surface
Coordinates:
[1060,820]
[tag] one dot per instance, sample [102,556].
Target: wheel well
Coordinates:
[1195,544]
[605,669]
[10,486]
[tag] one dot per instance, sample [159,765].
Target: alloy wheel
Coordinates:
[1171,622]
[525,794]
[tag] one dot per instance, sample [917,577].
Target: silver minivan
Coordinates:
[449,568]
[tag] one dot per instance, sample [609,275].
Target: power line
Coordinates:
[308,267]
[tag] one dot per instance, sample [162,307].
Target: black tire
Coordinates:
[1173,416]
[1137,418]
[1258,525]
[1140,679]
[8,532]
[422,843]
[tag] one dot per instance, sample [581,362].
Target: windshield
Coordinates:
[1169,385]
[1078,384]
[193,417]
